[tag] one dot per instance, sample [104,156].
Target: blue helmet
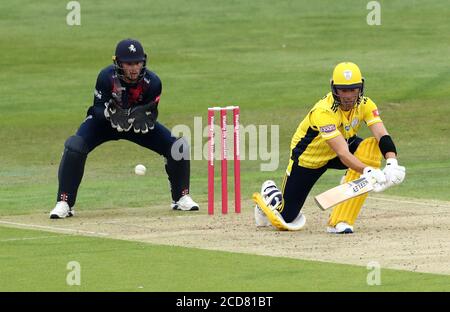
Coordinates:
[129,50]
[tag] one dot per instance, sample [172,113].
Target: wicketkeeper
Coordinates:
[327,138]
[126,99]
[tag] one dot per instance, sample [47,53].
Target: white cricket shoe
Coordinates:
[185,203]
[61,211]
[272,197]
[271,194]
[340,228]
[261,218]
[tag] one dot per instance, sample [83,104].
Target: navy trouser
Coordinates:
[96,131]
[301,180]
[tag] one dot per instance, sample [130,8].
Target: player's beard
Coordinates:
[132,76]
[347,104]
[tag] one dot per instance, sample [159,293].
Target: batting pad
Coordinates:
[369,153]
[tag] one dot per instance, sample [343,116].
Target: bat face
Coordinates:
[343,192]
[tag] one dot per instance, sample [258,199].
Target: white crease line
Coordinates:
[129,224]
[155,218]
[27,238]
[52,228]
[411,202]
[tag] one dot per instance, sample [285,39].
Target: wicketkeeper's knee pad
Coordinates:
[76,144]
[369,153]
[75,152]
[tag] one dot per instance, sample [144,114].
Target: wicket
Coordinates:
[224,158]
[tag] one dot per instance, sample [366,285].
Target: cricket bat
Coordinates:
[343,192]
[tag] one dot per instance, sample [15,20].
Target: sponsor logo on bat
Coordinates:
[359,185]
[355,186]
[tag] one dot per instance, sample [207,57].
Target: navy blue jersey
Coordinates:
[148,89]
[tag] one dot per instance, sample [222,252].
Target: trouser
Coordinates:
[297,185]
[94,132]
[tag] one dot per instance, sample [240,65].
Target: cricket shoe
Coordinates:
[340,228]
[272,197]
[260,217]
[185,203]
[61,211]
[271,194]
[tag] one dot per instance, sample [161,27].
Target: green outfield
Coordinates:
[37,261]
[273,59]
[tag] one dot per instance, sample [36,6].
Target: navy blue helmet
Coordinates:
[129,50]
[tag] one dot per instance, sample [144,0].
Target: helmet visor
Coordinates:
[347,87]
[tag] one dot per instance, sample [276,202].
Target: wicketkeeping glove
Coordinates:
[394,173]
[118,117]
[142,118]
[377,177]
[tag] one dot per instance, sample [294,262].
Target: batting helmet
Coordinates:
[129,50]
[347,75]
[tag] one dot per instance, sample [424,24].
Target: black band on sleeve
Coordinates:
[387,145]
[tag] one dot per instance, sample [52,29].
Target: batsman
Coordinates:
[327,139]
[125,107]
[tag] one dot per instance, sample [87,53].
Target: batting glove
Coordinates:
[394,173]
[377,177]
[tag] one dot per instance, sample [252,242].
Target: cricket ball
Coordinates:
[140,169]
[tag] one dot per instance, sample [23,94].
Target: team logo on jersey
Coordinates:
[328,128]
[132,48]
[347,128]
[375,113]
[348,74]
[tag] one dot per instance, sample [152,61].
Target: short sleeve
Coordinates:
[370,112]
[326,123]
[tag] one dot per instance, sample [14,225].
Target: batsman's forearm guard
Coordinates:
[387,145]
